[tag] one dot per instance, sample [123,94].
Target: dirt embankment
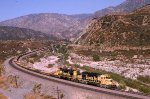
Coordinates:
[2,96]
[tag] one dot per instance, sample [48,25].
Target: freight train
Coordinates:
[91,78]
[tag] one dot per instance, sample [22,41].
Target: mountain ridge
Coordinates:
[7,33]
[68,26]
[126,6]
[56,24]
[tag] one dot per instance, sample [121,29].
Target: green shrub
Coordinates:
[50,65]
[145,79]
[145,89]
[96,58]
[77,65]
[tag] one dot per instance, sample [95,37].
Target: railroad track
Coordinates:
[79,85]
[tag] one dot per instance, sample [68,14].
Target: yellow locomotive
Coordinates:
[67,73]
[91,78]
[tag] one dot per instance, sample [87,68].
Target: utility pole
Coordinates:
[58,91]
[63,60]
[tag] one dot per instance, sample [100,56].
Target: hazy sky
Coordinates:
[14,8]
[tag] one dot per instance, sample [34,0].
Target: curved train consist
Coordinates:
[90,78]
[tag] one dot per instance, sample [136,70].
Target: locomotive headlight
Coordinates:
[110,81]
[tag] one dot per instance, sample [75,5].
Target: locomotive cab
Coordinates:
[106,81]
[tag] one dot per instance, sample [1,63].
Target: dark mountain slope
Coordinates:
[15,33]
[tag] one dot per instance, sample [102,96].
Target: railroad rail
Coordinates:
[79,85]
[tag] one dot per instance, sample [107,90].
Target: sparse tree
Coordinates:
[96,57]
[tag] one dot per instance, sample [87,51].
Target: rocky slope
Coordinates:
[128,29]
[60,25]
[15,33]
[68,26]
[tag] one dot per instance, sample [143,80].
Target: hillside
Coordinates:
[126,6]
[15,33]
[128,29]
[68,26]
